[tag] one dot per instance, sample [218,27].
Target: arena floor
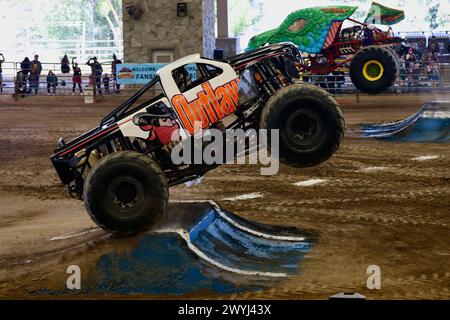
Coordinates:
[378,205]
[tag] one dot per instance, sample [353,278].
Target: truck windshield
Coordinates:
[150,92]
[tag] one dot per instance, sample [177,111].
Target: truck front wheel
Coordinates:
[126,192]
[309,121]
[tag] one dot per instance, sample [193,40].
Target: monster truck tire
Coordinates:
[126,192]
[309,121]
[374,69]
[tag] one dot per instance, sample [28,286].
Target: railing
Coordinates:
[12,83]
[413,77]
[418,77]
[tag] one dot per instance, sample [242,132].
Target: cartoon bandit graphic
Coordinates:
[160,122]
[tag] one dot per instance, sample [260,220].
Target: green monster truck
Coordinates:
[328,47]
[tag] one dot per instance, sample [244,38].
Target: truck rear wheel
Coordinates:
[374,69]
[309,121]
[126,192]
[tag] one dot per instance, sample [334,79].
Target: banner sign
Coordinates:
[142,73]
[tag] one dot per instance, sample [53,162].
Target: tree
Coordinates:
[244,14]
[110,10]
[432,16]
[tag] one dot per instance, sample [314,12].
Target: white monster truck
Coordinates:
[122,169]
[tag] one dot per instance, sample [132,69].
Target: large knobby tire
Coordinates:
[309,121]
[374,69]
[126,192]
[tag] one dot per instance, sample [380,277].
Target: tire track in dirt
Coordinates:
[275,210]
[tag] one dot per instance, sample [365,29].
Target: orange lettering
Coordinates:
[233,91]
[210,105]
[204,101]
[212,97]
[226,102]
[180,104]
[201,113]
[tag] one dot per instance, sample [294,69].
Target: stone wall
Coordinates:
[159,28]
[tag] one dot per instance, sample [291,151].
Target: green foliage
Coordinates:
[63,19]
[243,14]
[433,18]
[93,13]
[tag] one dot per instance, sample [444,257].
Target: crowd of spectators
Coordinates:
[29,76]
[416,62]
[421,61]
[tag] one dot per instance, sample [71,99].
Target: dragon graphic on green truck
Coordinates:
[307,28]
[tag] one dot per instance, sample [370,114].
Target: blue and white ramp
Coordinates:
[430,124]
[197,248]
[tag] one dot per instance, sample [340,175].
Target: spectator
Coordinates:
[2,59]
[97,71]
[403,70]
[36,69]
[411,65]
[25,67]
[114,64]
[431,67]
[433,46]
[21,83]
[76,78]
[65,67]
[106,83]
[52,82]
[368,39]
[422,46]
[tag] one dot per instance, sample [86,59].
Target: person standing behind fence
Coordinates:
[410,65]
[21,83]
[52,82]
[432,68]
[106,83]
[65,68]
[2,59]
[114,64]
[422,47]
[97,71]
[433,46]
[36,69]
[76,78]
[25,67]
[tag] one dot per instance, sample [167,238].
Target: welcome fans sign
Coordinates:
[142,73]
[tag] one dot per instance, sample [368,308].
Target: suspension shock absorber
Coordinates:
[272,74]
[258,74]
[279,70]
[266,77]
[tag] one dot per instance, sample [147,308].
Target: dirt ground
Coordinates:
[377,206]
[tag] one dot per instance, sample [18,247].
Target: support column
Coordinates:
[230,46]
[222,18]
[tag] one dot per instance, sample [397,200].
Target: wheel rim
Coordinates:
[125,194]
[304,127]
[373,70]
